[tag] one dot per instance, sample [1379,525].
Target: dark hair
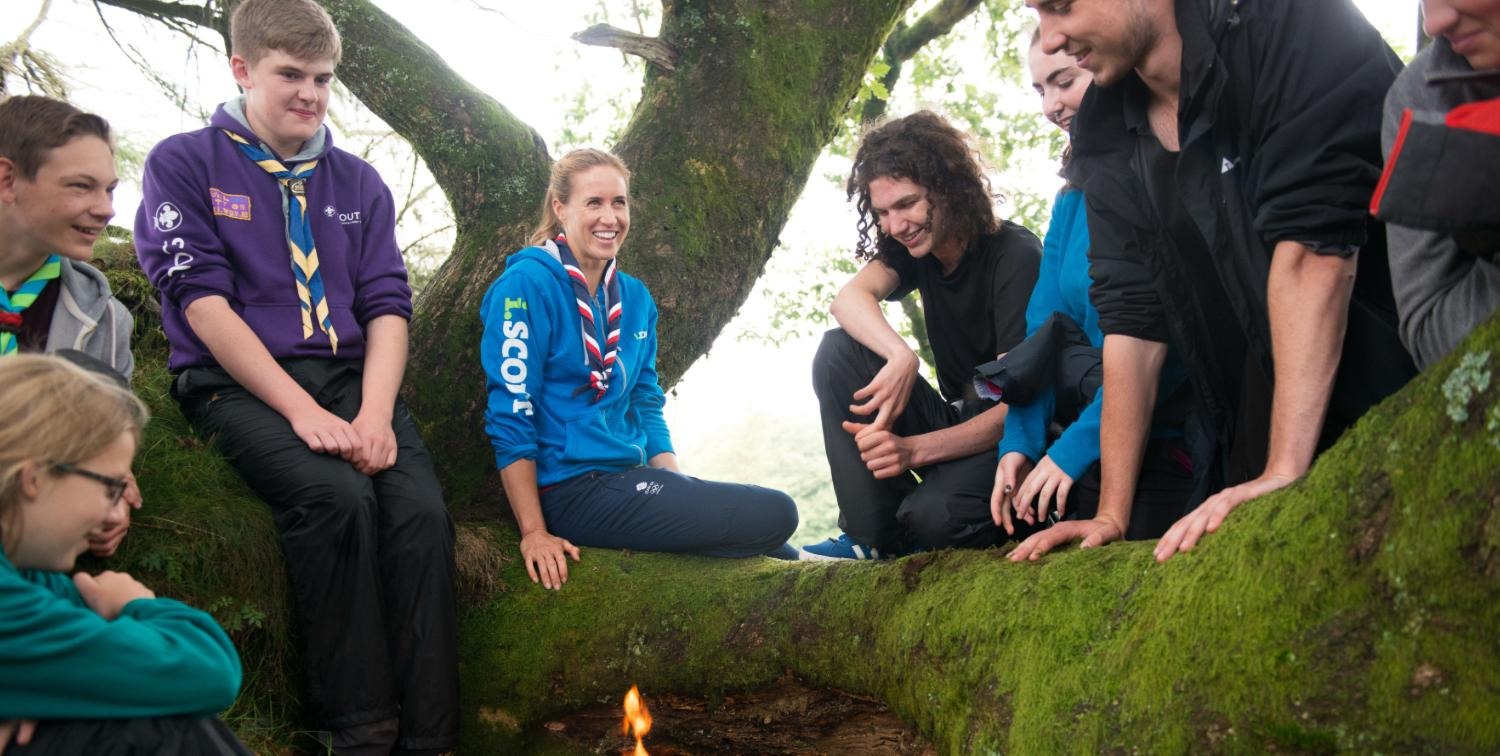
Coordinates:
[32,125]
[926,149]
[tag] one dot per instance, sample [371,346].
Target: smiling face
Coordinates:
[596,216]
[1472,27]
[1060,83]
[285,98]
[59,510]
[64,207]
[905,213]
[1108,38]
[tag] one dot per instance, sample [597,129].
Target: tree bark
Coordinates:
[715,177]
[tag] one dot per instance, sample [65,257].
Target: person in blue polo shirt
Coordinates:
[574,407]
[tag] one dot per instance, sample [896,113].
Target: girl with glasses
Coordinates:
[90,662]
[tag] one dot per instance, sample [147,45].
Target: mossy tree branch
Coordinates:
[1357,610]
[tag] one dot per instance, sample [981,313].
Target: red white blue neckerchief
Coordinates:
[601,359]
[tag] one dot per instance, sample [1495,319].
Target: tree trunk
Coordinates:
[715,177]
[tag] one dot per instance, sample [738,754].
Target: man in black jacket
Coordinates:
[1227,152]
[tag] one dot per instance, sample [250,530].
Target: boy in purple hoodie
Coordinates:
[285,302]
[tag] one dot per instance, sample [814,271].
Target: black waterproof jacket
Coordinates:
[1279,126]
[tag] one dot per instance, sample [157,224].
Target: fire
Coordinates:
[637,719]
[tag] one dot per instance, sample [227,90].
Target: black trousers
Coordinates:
[942,505]
[155,736]
[1162,491]
[370,557]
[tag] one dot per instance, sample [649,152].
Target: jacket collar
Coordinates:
[1201,23]
[1449,67]
[231,116]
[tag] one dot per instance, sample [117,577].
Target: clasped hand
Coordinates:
[368,443]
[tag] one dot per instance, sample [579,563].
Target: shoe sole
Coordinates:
[807,556]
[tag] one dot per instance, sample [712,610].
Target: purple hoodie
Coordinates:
[211,223]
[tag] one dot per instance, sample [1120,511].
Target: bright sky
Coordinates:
[523,57]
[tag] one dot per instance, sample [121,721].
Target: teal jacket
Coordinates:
[58,659]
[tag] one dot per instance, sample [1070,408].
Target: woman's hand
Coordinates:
[108,592]
[1092,533]
[1045,484]
[1014,468]
[544,557]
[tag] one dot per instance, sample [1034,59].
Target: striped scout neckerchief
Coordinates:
[600,360]
[298,235]
[12,305]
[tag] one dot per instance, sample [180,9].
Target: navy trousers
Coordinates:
[646,509]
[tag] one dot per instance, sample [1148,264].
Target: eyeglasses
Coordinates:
[115,487]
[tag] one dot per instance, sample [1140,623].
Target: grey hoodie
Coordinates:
[89,319]
[1442,292]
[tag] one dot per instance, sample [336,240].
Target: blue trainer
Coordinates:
[843,547]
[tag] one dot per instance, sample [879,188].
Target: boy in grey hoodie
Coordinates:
[57,180]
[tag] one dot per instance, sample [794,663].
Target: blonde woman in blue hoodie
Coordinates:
[574,407]
[90,662]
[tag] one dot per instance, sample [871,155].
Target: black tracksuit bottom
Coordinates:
[941,505]
[154,736]
[370,557]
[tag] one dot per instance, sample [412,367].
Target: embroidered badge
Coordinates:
[235,206]
[167,218]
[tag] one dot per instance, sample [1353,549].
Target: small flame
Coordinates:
[637,719]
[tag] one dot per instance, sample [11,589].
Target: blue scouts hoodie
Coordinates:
[60,660]
[535,364]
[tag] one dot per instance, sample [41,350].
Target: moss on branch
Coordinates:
[1359,609]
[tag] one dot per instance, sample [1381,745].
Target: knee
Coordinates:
[767,521]
[928,520]
[329,505]
[781,517]
[419,523]
[837,348]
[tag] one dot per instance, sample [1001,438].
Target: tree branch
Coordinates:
[179,17]
[652,49]
[486,160]
[905,41]
[17,57]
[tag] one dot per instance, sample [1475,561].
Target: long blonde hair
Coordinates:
[560,187]
[52,411]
